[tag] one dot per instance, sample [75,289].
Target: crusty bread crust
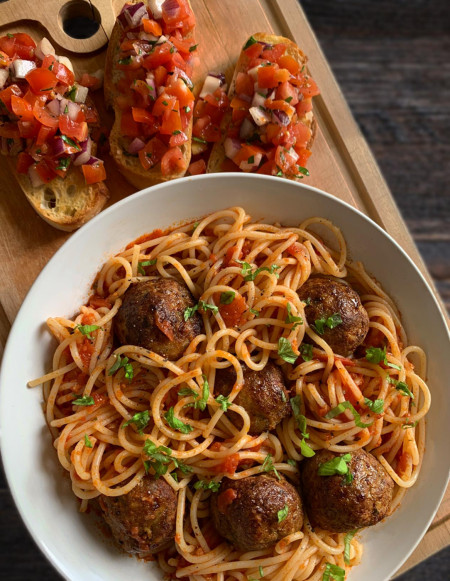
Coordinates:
[66,203]
[217,156]
[129,166]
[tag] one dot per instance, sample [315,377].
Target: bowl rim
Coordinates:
[116,207]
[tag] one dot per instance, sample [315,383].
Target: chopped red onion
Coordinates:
[44,48]
[155,7]
[4,75]
[22,67]
[265,44]
[181,74]
[171,8]
[149,37]
[73,110]
[80,94]
[63,103]
[280,117]
[59,147]
[54,107]
[232,147]
[258,100]
[136,145]
[93,160]
[247,129]
[219,76]
[132,14]
[260,117]
[85,153]
[34,177]
[245,98]
[246,166]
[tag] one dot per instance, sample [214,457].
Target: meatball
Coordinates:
[247,511]
[152,316]
[264,396]
[335,505]
[143,521]
[325,297]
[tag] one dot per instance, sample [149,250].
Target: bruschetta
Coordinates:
[148,82]
[269,127]
[46,120]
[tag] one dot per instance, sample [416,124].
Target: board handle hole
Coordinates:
[79,19]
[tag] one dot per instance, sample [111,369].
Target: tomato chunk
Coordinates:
[24,160]
[42,81]
[21,108]
[151,27]
[197,167]
[173,162]
[7,93]
[94,173]
[78,131]
[152,153]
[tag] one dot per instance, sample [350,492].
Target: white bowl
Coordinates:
[70,540]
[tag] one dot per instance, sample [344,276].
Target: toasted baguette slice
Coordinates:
[65,203]
[218,156]
[130,167]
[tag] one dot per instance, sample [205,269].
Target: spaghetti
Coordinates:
[101,444]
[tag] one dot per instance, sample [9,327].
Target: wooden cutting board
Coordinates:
[341,164]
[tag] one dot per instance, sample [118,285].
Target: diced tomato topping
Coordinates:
[151,27]
[290,63]
[24,160]
[178,138]
[94,173]
[197,167]
[90,81]
[62,73]
[21,108]
[181,91]
[229,465]
[146,93]
[225,499]
[42,81]
[303,107]
[247,151]
[237,103]
[152,153]
[128,125]
[310,88]
[173,162]
[184,46]
[176,15]
[163,104]
[286,92]
[284,160]
[266,77]
[18,44]
[160,76]
[161,55]
[142,115]
[204,129]
[5,60]
[44,171]
[73,129]
[254,50]
[273,54]
[7,93]
[245,85]
[7,45]
[232,314]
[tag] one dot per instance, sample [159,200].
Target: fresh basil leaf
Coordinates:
[224,402]
[331,322]
[122,362]
[250,41]
[184,391]
[70,142]
[306,450]
[140,420]
[268,466]
[292,318]
[249,275]
[254,312]
[87,441]
[347,544]
[144,263]
[299,417]
[86,330]
[292,462]
[306,351]
[207,485]
[285,350]
[85,400]
[282,514]
[175,423]
[346,405]
[337,465]
[227,297]
[401,386]
[333,572]
[303,170]
[375,406]
[377,355]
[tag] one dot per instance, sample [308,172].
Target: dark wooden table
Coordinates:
[391,60]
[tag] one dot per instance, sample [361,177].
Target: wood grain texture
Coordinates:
[388,59]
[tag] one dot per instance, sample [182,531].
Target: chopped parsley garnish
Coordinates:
[47,89]
[347,544]
[87,330]
[306,351]
[331,322]
[227,297]
[176,132]
[303,170]
[187,109]
[87,441]
[305,449]
[175,423]
[248,273]
[410,425]
[333,572]
[187,391]
[160,458]
[285,350]
[338,465]
[85,400]
[268,466]
[66,109]
[251,159]
[375,406]
[254,312]
[125,61]
[189,311]
[140,420]
[122,362]
[172,49]
[282,514]
[292,462]
[250,41]
[141,265]
[346,405]
[288,99]
[224,402]
[205,394]
[70,142]
[199,139]
[63,163]
[71,94]
[291,318]
[377,355]
[165,103]
[192,48]
[205,485]
[401,386]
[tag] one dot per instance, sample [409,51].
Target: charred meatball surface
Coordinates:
[325,297]
[152,316]
[143,521]
[264,396]
[336,506]
[246,511]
